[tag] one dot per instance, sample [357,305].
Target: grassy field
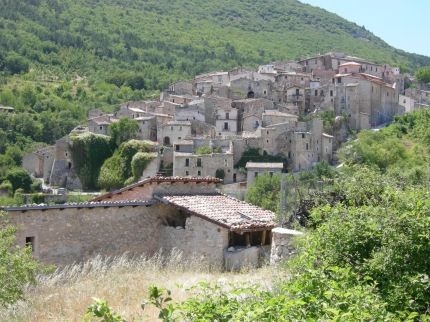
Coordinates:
[66,294]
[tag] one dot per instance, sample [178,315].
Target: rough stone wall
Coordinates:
[199,239]
[283,244]
[73,235]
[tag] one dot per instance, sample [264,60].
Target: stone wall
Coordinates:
[71,235]
[283,244]
[199,239]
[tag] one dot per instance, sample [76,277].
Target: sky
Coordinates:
[402,24]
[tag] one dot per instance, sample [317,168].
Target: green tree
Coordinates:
[264,191]
[19,178]
[17,266]
[123,130]
[423,74]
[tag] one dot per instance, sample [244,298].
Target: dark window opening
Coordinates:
[69,165]
[234,177]
[187,162]
[254,238]
[227,116]
[199,173]
[307,146]
[316,92]
[331,93]
[29,242]
[177,147]
[225,125]
[178,219]
[250,94]
[303,135]
[339,80]
[166,140]
[199,162]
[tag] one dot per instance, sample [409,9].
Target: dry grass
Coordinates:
[65,294]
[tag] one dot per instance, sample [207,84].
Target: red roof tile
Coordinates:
[225,211]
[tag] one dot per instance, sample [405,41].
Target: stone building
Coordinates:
[187,214]
[254,169]
[250,112]
[100,124]
[39,163]
[226,120]
[174,131]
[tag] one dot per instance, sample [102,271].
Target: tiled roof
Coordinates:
[224,211]
[90,204]
[159,180]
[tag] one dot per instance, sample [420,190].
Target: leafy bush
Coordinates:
[204,149]
[255,156]
[220,174]
[139,163]
[89,152]
[119,168]
[19,178]
[123,131]
[17,266]
[265,192]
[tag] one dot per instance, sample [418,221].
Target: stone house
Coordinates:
[181,88]
[194,110]
[270,117]
[39,163]
[6,109]
[187,214]
[254,169]
[174,131]
[366,100]
[100,124]
[246,88]
[147,128]
[226,120]
[250,112]
[210,82]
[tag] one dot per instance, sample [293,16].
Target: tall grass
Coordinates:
[123,281]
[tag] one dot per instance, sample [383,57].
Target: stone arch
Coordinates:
[251,94]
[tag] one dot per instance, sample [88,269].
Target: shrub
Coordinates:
[19,178]
[204,149]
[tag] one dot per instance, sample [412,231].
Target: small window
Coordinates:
[187,162]
[289,155]
[331,93]
[297,92]
[187,173]
[101,128]
[225,125]
[171,128]
[29,242]
[227,116]
[307,146]
[177,147]
[346,70]
[255,174]
[199,173]
[199,162]
[303,135]
[316,92]
[339,80]
[264,92]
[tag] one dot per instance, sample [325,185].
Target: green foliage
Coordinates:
[119,168]
[204,149]
[255,156]
[17,266]
[19,178]
[7,186]
[220,174]
[265,192]
[123,131]
[423,74]
[89,152]
[139,163]
[100,309]
[160,298]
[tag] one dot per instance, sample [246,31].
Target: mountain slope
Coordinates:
[167,40]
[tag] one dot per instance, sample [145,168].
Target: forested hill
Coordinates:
[166,40]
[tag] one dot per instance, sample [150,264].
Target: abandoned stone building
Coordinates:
[254,169]
[187,214]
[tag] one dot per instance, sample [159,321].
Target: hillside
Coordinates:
[165,40]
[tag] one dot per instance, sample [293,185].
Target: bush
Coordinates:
[204,149]
[89,152]
[139,163]
[19,178]
[17,266]
[220,174]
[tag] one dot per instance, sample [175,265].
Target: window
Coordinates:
[339,80]
[289,155]
[321,93]
[177,147]
[29,242]
[307,146]
[255,174]
[187,162]
[264,92]
[316,92]
[199,162]
[180,128]
[297,92]
[346,70]
[331,93]
[199,173]
[225,125]
[187,173]
[101,128]
[171,128]
[303,135]
[227,116]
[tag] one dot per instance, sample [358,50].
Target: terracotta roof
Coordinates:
[159,180]
[224,211]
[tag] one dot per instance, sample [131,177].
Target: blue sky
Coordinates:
[402,24]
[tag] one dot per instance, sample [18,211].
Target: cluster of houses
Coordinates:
[204,127]
[273,109]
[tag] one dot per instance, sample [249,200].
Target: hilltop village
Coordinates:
[299,112]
